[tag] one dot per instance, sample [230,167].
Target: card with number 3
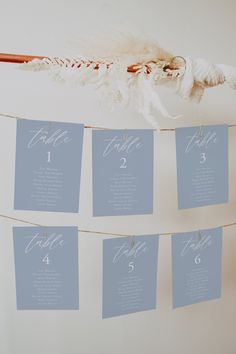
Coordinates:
[202,165]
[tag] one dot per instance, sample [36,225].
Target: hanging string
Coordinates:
[103,232]
[96,127]
[23,118]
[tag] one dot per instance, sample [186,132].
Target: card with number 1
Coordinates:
[48,166]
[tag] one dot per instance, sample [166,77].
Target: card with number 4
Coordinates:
[46,268]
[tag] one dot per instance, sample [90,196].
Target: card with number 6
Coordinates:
[196,266]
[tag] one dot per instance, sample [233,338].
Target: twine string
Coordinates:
[104,232]
[97,127]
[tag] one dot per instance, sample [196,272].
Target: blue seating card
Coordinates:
[129,274]
[202,165]
[46,268]
[122,172]
[48,166]
[196,266]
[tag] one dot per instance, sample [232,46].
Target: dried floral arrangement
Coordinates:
[130,70]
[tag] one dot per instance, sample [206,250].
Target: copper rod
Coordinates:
[22,58]
[18,58]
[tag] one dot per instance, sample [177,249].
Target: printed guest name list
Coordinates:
[129,274]
[46,267]
[196,266]
[122,172]
[202,165]
[48,166]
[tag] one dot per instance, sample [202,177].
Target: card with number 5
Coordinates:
[129,274]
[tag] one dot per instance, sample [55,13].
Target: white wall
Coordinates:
[197,28]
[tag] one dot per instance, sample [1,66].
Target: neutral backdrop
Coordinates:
[53,27]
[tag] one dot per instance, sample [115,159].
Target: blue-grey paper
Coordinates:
[196,266]
[122,172]
[129,274]
[202,165]
[46,268]
[48,166]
